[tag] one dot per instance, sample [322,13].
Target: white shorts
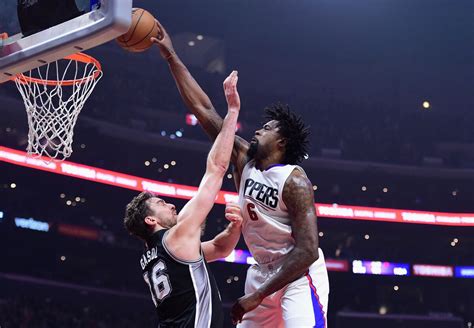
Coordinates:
[302,303]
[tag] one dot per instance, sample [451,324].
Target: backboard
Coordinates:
[100,22]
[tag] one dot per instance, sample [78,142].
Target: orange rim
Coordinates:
[79,57]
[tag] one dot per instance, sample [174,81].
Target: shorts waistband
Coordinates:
[275,264]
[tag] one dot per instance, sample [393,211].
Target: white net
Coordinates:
[54,95]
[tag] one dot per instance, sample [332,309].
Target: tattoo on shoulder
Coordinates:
[298,192]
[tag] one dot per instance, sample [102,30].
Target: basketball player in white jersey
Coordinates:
[288,287]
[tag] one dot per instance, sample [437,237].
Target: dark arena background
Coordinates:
[387,88]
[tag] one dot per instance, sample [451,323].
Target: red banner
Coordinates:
[117,179]
[337,265]
[394,215]
[77,231]
[428,270]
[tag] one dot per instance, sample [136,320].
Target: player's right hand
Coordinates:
[245,304]
[233,214]
[231,93]
[3,35]
[163,41]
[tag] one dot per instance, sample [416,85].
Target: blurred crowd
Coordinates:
[33,311]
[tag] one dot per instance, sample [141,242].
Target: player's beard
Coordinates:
[170,221]
[252,151]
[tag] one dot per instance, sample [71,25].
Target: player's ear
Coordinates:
[150,220]
[282,142]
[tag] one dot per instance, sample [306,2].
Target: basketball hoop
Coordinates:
[54,95]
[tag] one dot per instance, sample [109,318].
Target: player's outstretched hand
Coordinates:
[233,214]
[163,41]
[243,305]
[3,35]
[231,93]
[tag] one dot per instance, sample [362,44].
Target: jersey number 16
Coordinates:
[158,282]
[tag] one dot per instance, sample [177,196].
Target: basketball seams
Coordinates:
[137,39]
[146,37]
[134,28]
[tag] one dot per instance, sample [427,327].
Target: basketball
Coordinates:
[143,27]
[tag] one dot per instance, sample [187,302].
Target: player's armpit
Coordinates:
[180,248]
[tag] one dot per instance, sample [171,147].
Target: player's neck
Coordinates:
[269,161]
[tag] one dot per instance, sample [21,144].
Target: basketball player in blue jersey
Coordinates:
[289,286]
[174,264]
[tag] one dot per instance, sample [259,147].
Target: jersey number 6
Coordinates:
[158,282]
[252,214]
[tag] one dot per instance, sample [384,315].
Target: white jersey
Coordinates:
[266,227]
[268,235]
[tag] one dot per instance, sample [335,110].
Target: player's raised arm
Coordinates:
[196,99]
[191,217]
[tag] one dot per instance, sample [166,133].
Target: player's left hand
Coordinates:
[233,214]
[230,91]
[243,305]
[163,41]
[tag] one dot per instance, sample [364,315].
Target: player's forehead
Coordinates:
[156,200]
[271,124]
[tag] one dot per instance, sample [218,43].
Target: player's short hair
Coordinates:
[135,213]
[292,128]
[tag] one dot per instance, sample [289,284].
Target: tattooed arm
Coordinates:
[299,199]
